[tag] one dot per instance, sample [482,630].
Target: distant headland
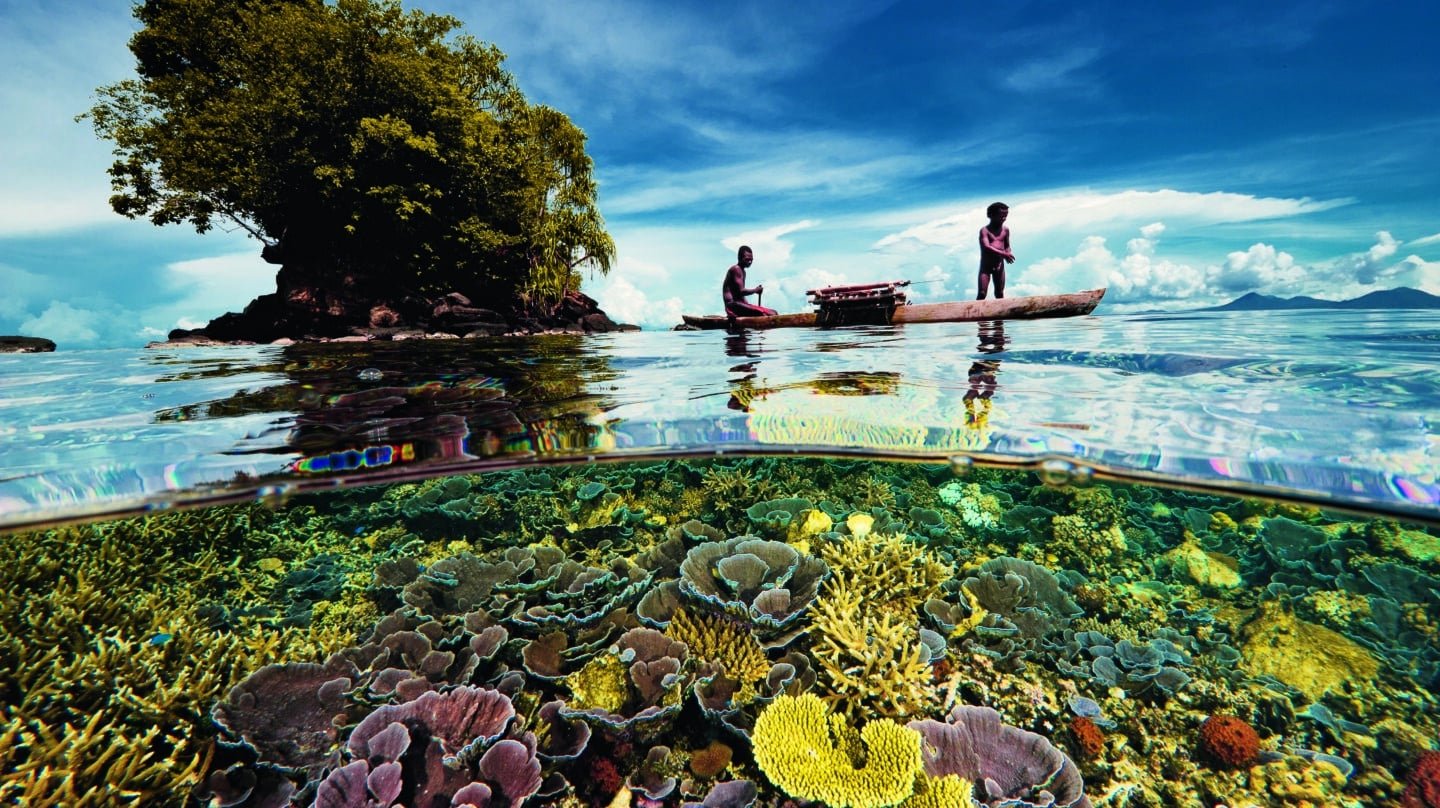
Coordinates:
[1399,298]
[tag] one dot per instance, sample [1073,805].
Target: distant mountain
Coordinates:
[1400,298]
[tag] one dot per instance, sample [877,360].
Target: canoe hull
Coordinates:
[1009,308]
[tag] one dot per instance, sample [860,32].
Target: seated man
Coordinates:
[734,290]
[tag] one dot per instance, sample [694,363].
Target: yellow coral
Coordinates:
[724,643]
[815,522]
[950,791]
[887,571]
[870,660]
[602,683]
[813,756]
[859,524]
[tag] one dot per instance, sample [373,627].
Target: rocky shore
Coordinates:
[305,310]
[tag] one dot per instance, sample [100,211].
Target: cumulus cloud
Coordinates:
[65,325]
[1257,267]
[627,303]
[771,249]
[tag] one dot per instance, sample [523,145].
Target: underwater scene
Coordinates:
[706,631]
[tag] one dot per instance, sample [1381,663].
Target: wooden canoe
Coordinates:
[1009,308]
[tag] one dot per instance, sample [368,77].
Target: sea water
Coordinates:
[1146,560]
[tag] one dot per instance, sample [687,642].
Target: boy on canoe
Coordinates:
[995,250]
[734,290]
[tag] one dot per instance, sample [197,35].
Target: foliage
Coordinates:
[365,141]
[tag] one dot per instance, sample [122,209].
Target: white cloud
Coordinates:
[64,324]
[1258,267]
[627,303]
[1152,230]
[208,287]
[1082,211]
[772,251]
[1430,239]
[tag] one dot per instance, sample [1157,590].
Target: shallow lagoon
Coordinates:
[621,628]
[1106,530]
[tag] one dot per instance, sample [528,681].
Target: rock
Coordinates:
[15,344]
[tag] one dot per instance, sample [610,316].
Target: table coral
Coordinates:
[810,755]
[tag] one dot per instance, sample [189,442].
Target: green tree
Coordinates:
[370,144]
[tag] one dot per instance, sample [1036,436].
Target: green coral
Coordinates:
[812,755]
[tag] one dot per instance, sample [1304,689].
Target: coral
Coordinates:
[810,755]
[601,684]
[710,761]
[1084,542]
[725,645]
[886,572]
[1211,570]
[1088,739]
[1310,658]
[644,694]
[766,584]
[111,660]
[1009,766]
[1422,787]
[869,659]
[950,791]
[1229,742]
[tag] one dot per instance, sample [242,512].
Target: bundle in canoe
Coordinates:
[885,303]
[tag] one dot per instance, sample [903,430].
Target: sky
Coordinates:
[1181,154]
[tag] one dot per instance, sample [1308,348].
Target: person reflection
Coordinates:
[742,344]
[983,373]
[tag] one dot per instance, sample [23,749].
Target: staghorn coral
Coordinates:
[868,659]
[111,657]
[812,755]
[887,571]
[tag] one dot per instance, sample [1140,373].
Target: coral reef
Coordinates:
[612,634]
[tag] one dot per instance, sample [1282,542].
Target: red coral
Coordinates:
[605,776]
[1422,789]
[1089,740]
[1229,742]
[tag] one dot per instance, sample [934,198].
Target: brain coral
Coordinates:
[810,754]
[1229,741]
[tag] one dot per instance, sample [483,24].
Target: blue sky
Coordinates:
[1181,154]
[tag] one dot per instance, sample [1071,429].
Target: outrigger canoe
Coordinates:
[1009,308]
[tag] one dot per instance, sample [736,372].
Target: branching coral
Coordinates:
[864,631]
[112,661]
[722,643]
[815,756]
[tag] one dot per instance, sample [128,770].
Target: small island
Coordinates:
[389,166]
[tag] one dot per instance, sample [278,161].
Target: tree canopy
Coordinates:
[360,138]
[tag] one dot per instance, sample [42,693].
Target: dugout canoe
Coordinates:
[1009,308]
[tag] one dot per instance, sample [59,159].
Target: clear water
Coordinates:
[1335,407]
[1142,522]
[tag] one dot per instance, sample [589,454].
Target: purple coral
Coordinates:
[1010,766]
[431,749]
[286,712]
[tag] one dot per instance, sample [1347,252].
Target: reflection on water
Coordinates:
[1210,401]
[668,633]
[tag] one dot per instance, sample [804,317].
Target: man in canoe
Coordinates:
[995,250]
[734,290]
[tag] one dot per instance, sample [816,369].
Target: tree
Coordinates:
[359,140]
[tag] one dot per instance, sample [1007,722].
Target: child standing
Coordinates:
[994,250]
